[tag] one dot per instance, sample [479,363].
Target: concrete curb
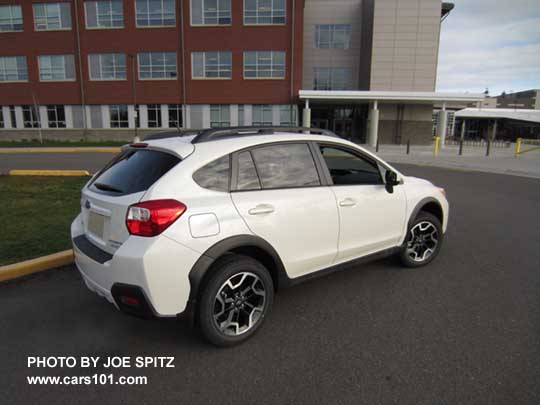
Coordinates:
[59,150]
[48,173]
[16,270]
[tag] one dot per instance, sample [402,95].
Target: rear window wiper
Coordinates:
[106,187]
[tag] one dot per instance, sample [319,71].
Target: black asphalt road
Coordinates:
[466,329]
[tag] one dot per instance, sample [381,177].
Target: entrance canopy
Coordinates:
[500,113]
[412,97]
[400,98]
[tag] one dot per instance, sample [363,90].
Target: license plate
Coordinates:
[96,223]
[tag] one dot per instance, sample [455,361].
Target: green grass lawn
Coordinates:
[36,214]
[34,143]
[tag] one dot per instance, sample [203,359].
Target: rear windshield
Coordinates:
[133,171]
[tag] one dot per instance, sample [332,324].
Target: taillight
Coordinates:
[150,218]
[138,145]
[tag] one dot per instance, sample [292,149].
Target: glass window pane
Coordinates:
[247,175]
[284,166]
[349,168]
[215,175]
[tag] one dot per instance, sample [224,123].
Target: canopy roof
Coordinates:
[500,113]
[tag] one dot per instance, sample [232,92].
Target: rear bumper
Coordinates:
[153,270]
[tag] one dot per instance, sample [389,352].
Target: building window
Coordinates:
[118,115]
[56,68]
[287,115]
[210,12]
[157,65]
[154,115]
[11,18]
[262,115]
[264,12]
[220,116]
[56,115]
[13,69]
[336,36]
[2,125]
[104,14]
[264,65]
[211,65]
[156,13]
[52,16]
[30,116]
[175,116]
[332,79]
[108,66]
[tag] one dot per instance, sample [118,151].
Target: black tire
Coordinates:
[405,255]
[234,268]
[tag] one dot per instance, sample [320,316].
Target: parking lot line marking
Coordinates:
[49,173]
[16,270]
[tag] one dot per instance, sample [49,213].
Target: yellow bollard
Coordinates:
[436,150]
[518,147]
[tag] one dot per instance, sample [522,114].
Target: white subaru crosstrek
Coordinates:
[210,226]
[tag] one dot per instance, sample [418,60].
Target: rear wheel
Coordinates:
[423,241]
[235,301]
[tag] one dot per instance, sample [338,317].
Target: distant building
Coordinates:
[526,100]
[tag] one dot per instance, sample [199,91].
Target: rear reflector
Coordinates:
[131,301]
[150,218]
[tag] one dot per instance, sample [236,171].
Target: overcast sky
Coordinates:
[490,43]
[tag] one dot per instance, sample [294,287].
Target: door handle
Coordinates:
[261,209]
[347,202]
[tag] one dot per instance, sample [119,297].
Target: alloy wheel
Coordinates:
[422,241]
[239,303]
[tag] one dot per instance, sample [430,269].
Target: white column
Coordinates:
[306,122]
[69,116]
[7,117]
[88,114]
[463,124]
[187,117]
[43,116]
[143,115]
[373,123]
[206,115]
[131,116]
[442,124]
[19,119]
[105,117]
[234,115]
[165,115]
[276,119]
[248,114]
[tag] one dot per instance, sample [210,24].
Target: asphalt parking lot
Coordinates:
[465,329]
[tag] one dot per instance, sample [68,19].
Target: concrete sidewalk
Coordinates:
[500,160]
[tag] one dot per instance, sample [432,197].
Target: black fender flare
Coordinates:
[418,207]
[207,259]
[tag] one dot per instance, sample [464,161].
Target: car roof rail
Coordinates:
[214,134]
[170,134]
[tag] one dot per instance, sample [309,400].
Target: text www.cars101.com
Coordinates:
[96,379]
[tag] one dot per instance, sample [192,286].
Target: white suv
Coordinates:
[210,226]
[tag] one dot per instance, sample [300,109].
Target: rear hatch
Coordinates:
[123,182]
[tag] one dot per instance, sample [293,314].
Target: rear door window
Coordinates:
[286,166]
[247,174]
[133,171]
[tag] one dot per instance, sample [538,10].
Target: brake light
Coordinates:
[150,218]
[138,145]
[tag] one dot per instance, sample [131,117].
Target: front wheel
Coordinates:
[423,241]
[235,300]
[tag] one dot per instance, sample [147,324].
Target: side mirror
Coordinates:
[390,180]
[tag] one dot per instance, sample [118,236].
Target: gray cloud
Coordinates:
[494,44]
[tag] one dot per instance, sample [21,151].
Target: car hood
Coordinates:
[417,180]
